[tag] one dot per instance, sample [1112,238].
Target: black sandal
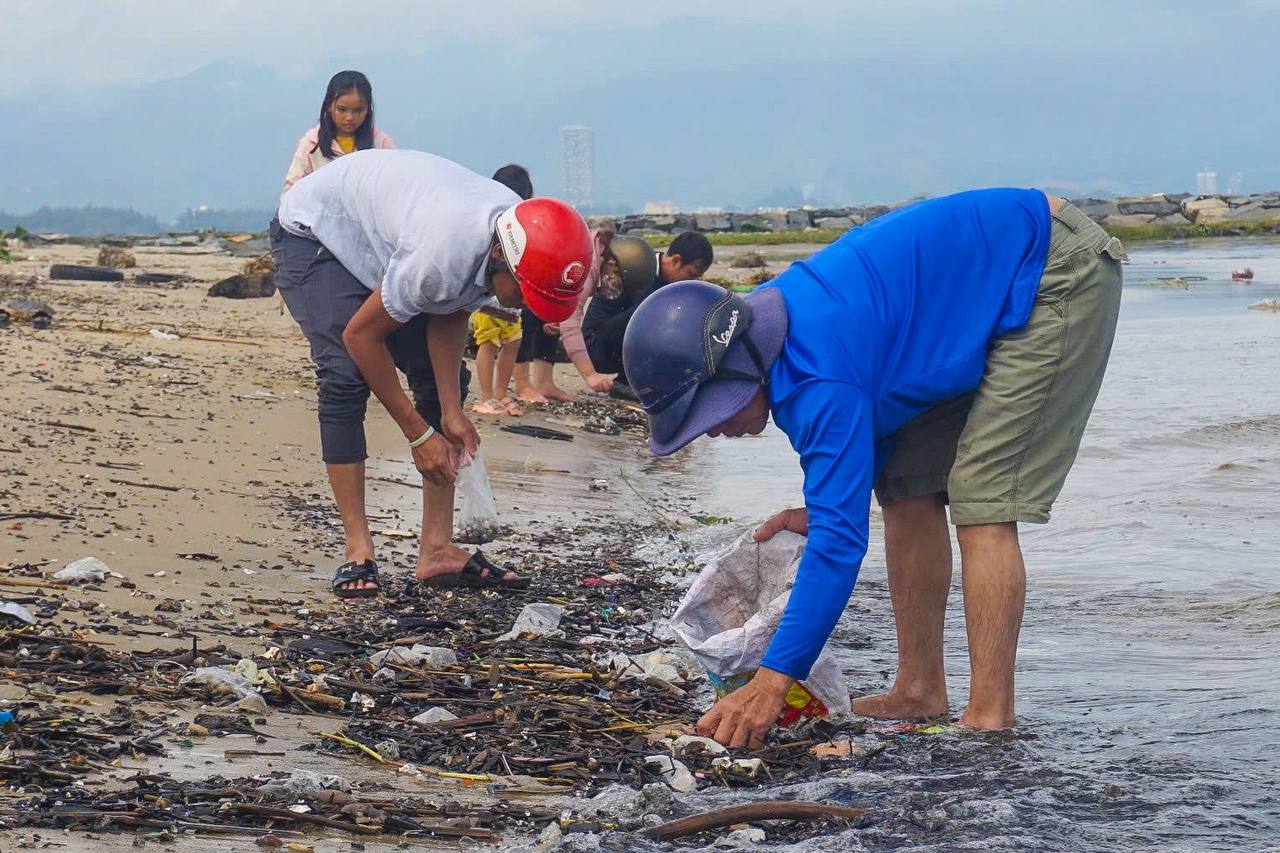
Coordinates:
[479,573]
[350,572]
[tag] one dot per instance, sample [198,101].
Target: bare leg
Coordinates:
[544,381]
[524,388]
[437,555]
[918,555]
[484,370]
[506,366]
[995,592]
[347,482]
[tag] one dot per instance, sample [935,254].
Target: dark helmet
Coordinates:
[675,343]
[637,261]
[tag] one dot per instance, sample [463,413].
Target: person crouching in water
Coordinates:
[382,256]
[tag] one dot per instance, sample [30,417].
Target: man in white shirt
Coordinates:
[382,255]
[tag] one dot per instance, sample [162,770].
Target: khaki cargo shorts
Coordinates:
[1002,452]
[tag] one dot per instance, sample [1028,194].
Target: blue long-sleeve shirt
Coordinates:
[892,318]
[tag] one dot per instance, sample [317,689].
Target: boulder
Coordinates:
[1173,219]
[871,211]
[1156,205]
[607,223]
[1129,220]
[712,222]
[1202,210]
[798,219]
[834,223]
[750,222]
[1095,208]
[645,232]
[1253,212]
[777,221]
[255,281]
[1237,200]
[243,287]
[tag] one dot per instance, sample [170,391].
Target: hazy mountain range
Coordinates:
[711,110]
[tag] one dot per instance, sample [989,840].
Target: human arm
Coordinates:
[365,338]
[499,313]
[300,165]
[795,519]
[832,431]
[575,347]
[446,343]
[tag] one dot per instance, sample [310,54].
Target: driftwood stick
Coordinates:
[768,810]
[121,482]
[13,516]
[285,814]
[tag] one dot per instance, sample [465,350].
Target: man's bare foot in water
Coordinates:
[555,393]
[987,721]
[529,394]
[895,706]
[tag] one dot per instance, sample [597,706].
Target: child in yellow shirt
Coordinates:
[497,341]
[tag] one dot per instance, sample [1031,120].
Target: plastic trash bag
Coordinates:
[89,569]
[479,513]
[730,614]
[431,657]
[434,714]
[540,620]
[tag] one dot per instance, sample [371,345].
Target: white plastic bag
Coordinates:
[730,614]
[479,513]
[540,620]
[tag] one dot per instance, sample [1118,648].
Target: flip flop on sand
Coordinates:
[511,407]
[479,573]
[352,572]
[489,407]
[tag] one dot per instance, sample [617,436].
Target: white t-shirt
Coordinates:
[418,225]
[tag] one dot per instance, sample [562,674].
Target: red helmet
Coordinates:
[547,246]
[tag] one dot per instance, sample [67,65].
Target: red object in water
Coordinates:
[1244,274]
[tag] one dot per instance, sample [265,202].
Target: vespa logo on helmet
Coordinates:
[726,336]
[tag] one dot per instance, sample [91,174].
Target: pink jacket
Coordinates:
[305,160]
[571,329]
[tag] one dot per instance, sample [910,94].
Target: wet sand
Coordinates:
[158,448]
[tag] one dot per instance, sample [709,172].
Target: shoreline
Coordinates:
[206,446]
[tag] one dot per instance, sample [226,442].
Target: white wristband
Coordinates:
[422,439]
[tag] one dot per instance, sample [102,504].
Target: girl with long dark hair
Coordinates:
[346,125]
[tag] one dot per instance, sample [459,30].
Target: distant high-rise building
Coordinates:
[578,162]
[1207,183]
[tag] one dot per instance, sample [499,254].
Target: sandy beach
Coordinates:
[189,466]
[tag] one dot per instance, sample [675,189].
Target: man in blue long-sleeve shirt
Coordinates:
[947,353]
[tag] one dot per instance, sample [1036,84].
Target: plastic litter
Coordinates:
[749,767]
[231,682]
[686,744]
[540,620]
[479,513]
[6,717]
[740,839]
[17,611]
[661,665]
[730,614]
[434,714]
[430,657]
[85,569]
[674,773]
[163,335]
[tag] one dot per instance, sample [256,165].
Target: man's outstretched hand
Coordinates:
[742,718]
[796,520]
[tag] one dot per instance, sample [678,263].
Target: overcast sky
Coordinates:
[168,105]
